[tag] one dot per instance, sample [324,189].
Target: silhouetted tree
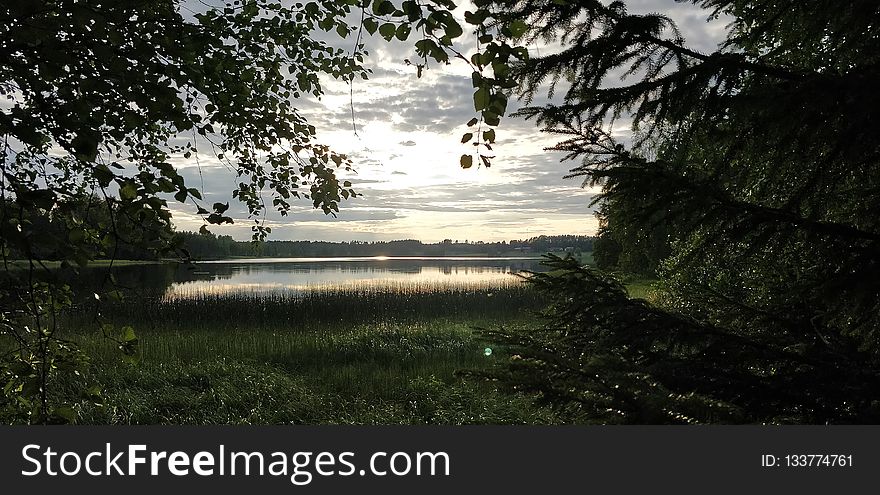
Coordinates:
[758,164]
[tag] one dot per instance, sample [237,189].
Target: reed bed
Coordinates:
[315,310]
[353,353]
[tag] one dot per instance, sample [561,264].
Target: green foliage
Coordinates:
[34,356]
[751,182]
[607,358]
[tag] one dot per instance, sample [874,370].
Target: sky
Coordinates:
[406,150]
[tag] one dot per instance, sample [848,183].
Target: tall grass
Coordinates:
[314,309]
[356,353]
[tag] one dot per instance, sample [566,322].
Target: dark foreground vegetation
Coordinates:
[751,188]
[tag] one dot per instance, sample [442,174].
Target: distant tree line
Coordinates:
[81,219]
[209,245]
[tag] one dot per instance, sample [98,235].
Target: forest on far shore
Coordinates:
[207,246]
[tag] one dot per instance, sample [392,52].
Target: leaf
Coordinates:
[221,207]
[128,334]
[76,235]
[481,99]
[403,32]
[472,122]
[467,137]
[500,69]
[489,136]
[40,198]
[131,357]
[103,175]
[217,219]
[65,412]
[426,47]
[412,10]
[453,28]
[383,7]
[387,30]
[370,25]
[498,104]
[466,161]
[128,191]
[129,345]
[476,17]
[85,147]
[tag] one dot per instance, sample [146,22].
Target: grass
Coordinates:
[251,392]
[352,383]
[642,288]
[586,258]
[334,355]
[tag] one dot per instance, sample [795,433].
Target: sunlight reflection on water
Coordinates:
[290,276]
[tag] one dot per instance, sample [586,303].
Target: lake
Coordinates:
[284,275]
[295,275]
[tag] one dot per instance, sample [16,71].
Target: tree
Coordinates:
[635,251]
[759,163]
[102,96]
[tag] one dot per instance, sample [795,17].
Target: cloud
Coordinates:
[406,150]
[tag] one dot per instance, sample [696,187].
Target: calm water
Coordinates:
[284,275]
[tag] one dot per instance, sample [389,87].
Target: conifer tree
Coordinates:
[759,162]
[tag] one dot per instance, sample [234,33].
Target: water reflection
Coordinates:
[283,276]
[304,274]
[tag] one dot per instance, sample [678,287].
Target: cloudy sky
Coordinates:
[406,155]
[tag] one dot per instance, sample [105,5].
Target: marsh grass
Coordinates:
[334,354]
